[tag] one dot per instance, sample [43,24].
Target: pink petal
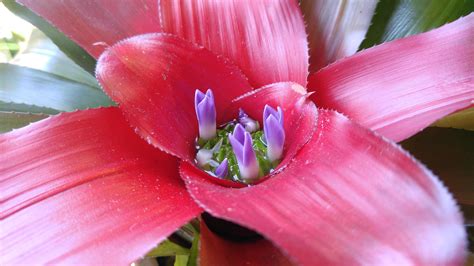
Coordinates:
[154,77]
[266,39]
[216,251]
[335,28]
[348,198]
[96,24]
[82,188]
[401,87]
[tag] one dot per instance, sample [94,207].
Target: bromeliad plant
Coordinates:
[105,185]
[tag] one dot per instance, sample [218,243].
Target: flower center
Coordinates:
[239,150]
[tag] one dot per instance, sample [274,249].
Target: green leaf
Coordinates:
[71,49]
[181,260]
[33,87]
[42,54]
[5,45]
[25,108]
[10,46]
[449,153]
[168,248]
[194,249]
[12,120]
[395,19]
[461,120]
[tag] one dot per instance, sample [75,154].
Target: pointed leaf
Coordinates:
[348,198]
[83,188]
[153,78]
[71,49]
[396,19]
[25,108]
[401,87]
[12,120]
[461,120]
[195,249]
[33,87]
[181,260]
[42,54]
[167,248]
[97,24]
[265,39]
[335,28]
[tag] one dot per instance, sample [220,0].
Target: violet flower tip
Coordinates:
[223,169]
[242,147]
[280,113]
[206,114]
[274,132]
[210,94]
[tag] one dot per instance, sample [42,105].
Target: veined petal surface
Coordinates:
[335,28]
[83,188]
[153,78]
[266,39]
[97,24]
[401,87]
[348,197]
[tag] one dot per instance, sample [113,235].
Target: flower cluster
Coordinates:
[238,141]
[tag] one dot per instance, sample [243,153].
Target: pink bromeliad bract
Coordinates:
[106,185]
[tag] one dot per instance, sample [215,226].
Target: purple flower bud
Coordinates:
[241,142]
[248,123]
[223,169]
[274,132]
[206,114]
